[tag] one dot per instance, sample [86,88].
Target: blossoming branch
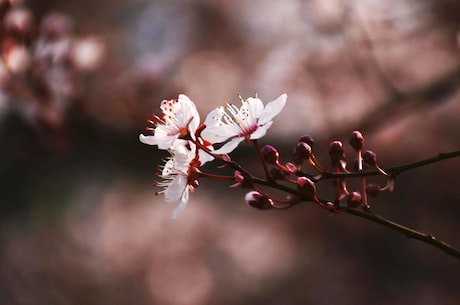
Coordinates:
[191,144]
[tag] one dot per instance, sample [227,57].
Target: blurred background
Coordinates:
[79,221]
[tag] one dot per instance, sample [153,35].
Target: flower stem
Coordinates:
[264,164]
[214,176]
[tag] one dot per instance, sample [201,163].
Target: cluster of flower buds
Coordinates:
[41,63]
[192,144]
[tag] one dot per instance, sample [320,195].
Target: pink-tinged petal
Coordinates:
[272,109]
[175,189]
[182,204]
[229,146]
[261,131]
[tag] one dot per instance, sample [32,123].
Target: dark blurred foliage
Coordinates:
[79,221]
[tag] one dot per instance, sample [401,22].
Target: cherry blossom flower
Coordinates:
[180,174]
[230,125]
[180,120]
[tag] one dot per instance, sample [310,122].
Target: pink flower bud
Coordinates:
[241,181]
[357,140]
[373,189]
[337,154]
[292,199]
[370,158]
[306,187]
[291,167]
[354,199]
[258,201]
[330,206]
[302,151]
[270,154]
[307,139]
[335,147]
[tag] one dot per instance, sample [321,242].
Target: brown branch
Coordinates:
[396,170]
[411,233]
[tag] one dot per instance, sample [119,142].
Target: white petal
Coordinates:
[188,113]
[204,157]
[255,107]
[272,109]
[229,146]
[150,140]
[182,204]
[183,152]
[168,169]
[176,188]
[161,138]
[218,134]
[261,131]
[214,118]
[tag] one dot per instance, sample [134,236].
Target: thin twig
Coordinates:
[396,170]
[411,233]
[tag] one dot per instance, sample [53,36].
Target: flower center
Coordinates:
[246,131]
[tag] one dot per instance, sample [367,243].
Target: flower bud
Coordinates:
[357,140]
[330,206]
[241,181]
[336,153]
[302,151]
[335,147]
[270,154]
[258,201]
[369,157]
[292,169]
[373,189]
[354,199]
[306,187]
[292,199]
[307,140]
